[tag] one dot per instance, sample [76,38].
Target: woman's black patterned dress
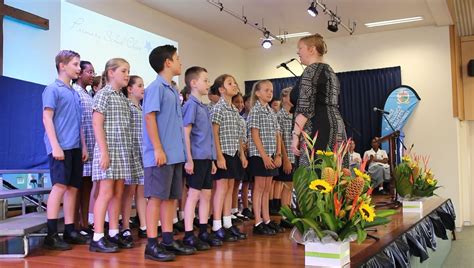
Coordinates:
[316,97]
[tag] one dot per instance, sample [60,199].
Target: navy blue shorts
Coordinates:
[68,171]
[165,182]
[201,179]
[232,171]
[257,168]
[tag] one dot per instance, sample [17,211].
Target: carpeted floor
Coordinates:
[462,250]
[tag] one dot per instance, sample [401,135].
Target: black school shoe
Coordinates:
[54,242]
[237,233]
[177,247]
[127,238]
[273,225]
[247,213]
[285,223]
[196,243]
[179,226]
[211,239]
[120,241]
[158,253]
[263,229]
[103,246]
[224,236]
[142,233]
[76,238]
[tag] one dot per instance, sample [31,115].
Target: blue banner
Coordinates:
[400,104]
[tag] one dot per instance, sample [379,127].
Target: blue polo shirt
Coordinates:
[196,113]
[161,98]
[66,103]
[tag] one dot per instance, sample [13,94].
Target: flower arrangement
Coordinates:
[413,181]
[329,200]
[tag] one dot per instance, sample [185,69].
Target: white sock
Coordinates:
[257,224]
[159,223]
[143,228]
[267,222]
[175,220]
[227,221]
[216,225]
[234,210]
[181,215]
[107,216]
[283,217]
[97,236]
[90,218]
[113,232]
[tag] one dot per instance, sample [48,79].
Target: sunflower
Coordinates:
[320,185]
[361,174]
[367,212]
[325,153]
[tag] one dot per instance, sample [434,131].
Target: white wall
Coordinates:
[28,52]
[196,47]
[424,57]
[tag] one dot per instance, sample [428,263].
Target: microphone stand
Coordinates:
[287,68]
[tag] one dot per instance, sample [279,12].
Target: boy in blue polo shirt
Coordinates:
[200,153]
[163,154]
[63,139]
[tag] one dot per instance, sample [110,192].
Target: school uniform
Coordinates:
[203,150]
[228,118]
[136,159]
[285,121]
[242,172]
[115,108]
[66,104]
[164,182]
[264,119]
[86,123]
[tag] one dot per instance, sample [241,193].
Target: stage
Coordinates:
[412,233]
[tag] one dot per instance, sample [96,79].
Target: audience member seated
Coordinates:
[354,158]
[378,167]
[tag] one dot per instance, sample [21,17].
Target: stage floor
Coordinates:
[261,251]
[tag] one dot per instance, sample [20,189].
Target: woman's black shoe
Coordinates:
[284,223]
[273,225]
[196,243]
[103,245]
[263,229]
[158,253]
[121,242]
[178,248]
[211,239]
[54,242]
[224,236]
[237,233]
[142,233]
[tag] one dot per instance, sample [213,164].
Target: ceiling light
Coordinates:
[267,44]
[312,10]
[332,25]
[391,22]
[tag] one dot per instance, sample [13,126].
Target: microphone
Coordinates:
[283,64]
[380,110]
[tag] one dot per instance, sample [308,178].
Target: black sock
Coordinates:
[52,226]
[167,237]
[188,234]
[271,206]
[68,228]
[278,204]
[202,228]
[152,241]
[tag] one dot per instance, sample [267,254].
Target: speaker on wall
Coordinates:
[470,68]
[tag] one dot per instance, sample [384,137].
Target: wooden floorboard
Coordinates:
[261,251]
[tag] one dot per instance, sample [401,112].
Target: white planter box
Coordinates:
[415,206]
[335,254]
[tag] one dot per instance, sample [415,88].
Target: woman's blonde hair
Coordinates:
[112,64]
[256,87]
[317,41]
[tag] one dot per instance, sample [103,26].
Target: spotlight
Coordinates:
[267,44]
[332,25]
[312,10]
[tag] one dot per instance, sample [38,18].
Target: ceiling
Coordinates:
[291,16]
